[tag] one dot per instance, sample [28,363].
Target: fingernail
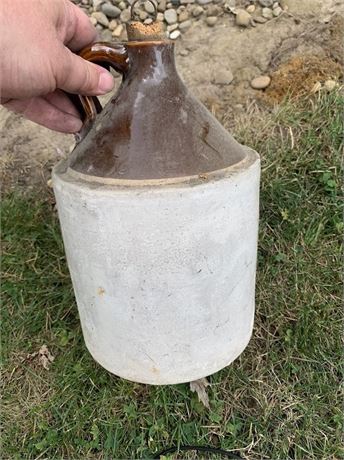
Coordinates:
[106,82]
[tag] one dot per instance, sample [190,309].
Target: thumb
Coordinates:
[76,75]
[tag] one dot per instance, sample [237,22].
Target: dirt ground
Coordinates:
[297,49]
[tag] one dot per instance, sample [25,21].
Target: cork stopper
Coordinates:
[145,32]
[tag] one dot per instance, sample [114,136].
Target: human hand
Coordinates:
[38,40]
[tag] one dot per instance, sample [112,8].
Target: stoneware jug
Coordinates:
[158,206]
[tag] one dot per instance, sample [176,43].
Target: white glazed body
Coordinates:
[164,276]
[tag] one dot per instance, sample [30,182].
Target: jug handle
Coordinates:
[107,55]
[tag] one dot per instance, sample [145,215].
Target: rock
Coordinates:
[211,21]
[277,11]
[284,5]
[122,6]
[96,4]
[143,15]
[118,31]
[101,18]
[223,77]
[330,85]
[183,16]
[275,5]
[187,2]
[260,19]
[93,21]
[148,21]
[175,34]
[125,15]
[261,82]
[106,35]
[175,3]
[266,3]
[162,6]
[112,24]
[214,10]
[185,25]
[197,11]
[184,52]
[160,17]
[170,16]
[110,11]
[251,9]
[243,18]
[267,13]
[203,2]
[172,27]
[149,7]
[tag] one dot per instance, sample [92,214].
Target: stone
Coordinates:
[149,7]
[175,34]
[223,77]
[267,13]
[203,2]
[160,17]
[125,15]
[243,18]
[106,35]
[284,5]
[185,25]
[101,18]
[261,82]
[122,6]
[277,11]
[162,6]
[266,3]
[275,5]
[143,15]
[93,21]
[251,9]
[148,21]
[113,24]
[110,11]
[213,10]
[260,19]
[330,85]
[197,11]
[172,27]
[184,52]
[96,4]
[187,2]
[183,16]
[170,16]
[175,3]
[118,31]
[211,21]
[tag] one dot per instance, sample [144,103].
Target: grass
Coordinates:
[279,400]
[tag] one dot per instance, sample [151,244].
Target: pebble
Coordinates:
[122,6]
[266,3]
[170,16]
[93,21]
[101,18]
[172,27]
[243,18]
[214,10]
[162,6]
[261,82]
[125,15]
[106,35]
[118,31]
[260,19]
[149,7]
[223,77]
[330,85]
[277,11]
[251,9]
[160,17]
[143,15]
[284,5]
[197,11]
[211,21]
[110,11]
[185,25]
[184,52]
[96,4]
[275,5]
[113,24]
[267,13]
[204,2]
[183,16]
[175,34]
[148,21]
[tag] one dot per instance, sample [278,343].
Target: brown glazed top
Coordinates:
[153,128]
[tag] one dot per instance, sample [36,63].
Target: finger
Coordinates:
[62,102]
[42,112]
[80,32]
[76,75]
